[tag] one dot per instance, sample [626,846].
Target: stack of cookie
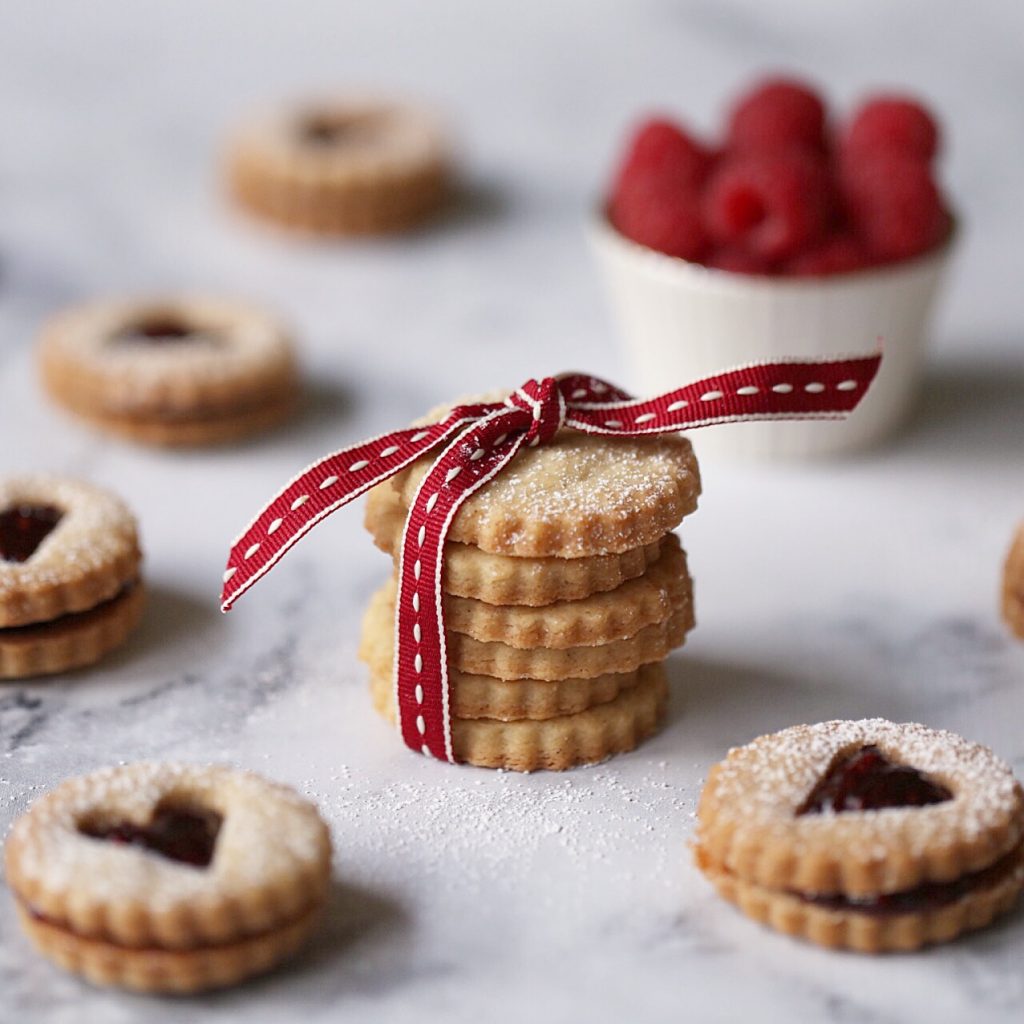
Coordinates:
[564,592]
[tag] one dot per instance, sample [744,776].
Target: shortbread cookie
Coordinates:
[500,580]
[650,644]
[864,835]
[70,589]
[553,743]
[478,696]
[576,496]
[176,371]
[1013,585]
[347,167]
[71,641]
[617,614]
[168,878]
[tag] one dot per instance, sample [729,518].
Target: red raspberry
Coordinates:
[780,112]
[662,218]
[893,122]
[772,204]
[661,152]
[739,261]
[894,204]
[840,254]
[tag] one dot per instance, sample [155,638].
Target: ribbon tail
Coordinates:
[791,390]
[472,459]
[323,488]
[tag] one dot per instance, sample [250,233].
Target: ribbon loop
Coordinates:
[544,401]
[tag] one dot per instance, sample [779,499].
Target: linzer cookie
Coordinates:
[70,582]
[175,371]
[344,167]
[537,586]
[864,835]
[168,878]
[1013,585]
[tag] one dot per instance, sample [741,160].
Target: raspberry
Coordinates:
[780,112]
[894,204]
[738,261]
[839,254]
[893,122]
[771,204]
[661,218]
[662,153]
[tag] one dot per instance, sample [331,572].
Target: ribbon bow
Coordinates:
[479,440]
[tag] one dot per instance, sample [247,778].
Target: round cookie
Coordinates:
[599,619]
[500,580]
[70,586]
[168,878]
[343,167]
[558,743]
[1013,585]
[576,496]
[481,696]
[174,371]
[864,835]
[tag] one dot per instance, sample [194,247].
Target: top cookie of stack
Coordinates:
[564,592]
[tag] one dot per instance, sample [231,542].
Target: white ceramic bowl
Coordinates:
[682,321]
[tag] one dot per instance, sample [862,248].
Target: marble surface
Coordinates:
[864,587]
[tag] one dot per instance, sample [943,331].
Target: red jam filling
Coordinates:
[867,780]
[929,896]
[186,836]
[23,528]
[158,330]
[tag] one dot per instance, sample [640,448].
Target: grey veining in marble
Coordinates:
[855,588]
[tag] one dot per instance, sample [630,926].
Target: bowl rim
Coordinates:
[603,234]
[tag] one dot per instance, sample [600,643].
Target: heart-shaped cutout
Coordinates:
[187,835]
[867,780]
[23,528]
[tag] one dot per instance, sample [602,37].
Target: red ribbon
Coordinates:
[479,441]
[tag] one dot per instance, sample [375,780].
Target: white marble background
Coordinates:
[856,588]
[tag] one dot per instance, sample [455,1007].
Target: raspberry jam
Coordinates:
[186,836]
[158,330]
[867,780]
[929,896]
[23,528]
[324,131]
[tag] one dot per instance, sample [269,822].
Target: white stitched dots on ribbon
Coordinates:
[452,474]
[814,388]
[300,501]
[328,482]
[357,466]
[275,525]
[846,385]
[749,390]
[432,501]
[782,389]
[251,550]
[676,406]
[711,396]
[646,418]
[231,572]
[421,726]
[389,451]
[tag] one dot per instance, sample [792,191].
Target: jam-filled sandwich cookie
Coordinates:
[347,167]
[864,835]
[169,878]
[175,371]
[1013,585]
[70,586]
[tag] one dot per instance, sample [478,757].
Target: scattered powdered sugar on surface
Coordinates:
[484,832]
